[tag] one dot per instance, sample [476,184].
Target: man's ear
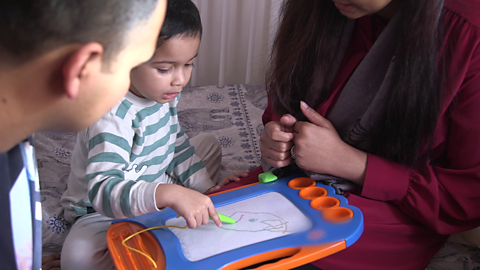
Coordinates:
[75,68]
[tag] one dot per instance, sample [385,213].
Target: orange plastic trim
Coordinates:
[228,190]
[125,259]
[337,214]
[322,203]
[301,182]
[310,193]
[296,257]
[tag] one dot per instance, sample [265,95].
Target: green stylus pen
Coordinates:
[226,219]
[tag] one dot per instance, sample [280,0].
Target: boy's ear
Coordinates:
[75,68]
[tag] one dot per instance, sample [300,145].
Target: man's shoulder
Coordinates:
[17,188]
[7,180]
[11,164]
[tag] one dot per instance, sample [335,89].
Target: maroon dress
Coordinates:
[408,214]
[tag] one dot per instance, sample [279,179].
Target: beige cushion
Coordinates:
[470,237]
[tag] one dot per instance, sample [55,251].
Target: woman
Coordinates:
[392,88]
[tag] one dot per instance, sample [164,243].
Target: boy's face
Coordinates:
[163,77]
[108,86]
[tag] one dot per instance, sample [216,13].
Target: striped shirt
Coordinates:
[119,161]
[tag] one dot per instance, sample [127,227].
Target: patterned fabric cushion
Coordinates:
[470,237]
[53,159]
[231,113]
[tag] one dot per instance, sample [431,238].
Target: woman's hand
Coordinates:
[276,141]
[319,148]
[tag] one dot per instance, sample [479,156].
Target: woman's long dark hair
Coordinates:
[304,47]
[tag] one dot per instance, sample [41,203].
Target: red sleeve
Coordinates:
[267,114]
[446,197]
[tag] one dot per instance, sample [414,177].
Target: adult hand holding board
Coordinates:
[195,207]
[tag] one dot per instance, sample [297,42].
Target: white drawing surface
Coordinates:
[264,217]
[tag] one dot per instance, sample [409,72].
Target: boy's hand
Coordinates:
[51,262]
[195,207]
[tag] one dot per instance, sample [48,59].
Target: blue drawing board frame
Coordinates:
[326,231]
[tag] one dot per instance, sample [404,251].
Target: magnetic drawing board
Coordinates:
[257,221]
[293,218]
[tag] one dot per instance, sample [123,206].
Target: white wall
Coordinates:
[236,41]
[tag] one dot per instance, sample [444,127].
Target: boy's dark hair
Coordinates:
[29,28]
[182,18]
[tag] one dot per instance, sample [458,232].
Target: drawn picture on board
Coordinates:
[257,222]
[260,218]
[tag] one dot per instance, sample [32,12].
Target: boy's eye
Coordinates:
[189,65]
[164,71]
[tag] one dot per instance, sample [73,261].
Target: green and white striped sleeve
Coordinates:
[109,150]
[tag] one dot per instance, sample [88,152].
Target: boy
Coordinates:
[136,159]
[63,64]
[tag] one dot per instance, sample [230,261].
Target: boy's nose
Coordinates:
[179,79]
